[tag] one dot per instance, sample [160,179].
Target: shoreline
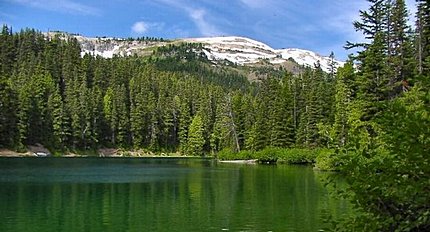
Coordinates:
[101,153]
[251,161]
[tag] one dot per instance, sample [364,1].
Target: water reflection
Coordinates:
[159,195]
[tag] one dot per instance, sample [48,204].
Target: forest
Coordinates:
[369,120]
[174,100]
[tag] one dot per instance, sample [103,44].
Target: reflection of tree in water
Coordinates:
[181,195]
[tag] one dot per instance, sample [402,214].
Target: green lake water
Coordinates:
[130,194]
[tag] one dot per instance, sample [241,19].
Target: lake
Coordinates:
[160,194]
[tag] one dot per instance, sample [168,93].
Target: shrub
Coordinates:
[326,160]
[297,156]
[268,155]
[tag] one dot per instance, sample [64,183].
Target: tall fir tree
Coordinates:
[400,57]
[423,37]
[8,114]
[195,141]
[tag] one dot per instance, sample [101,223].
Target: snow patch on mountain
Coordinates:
[309,58]
[238,50]
[245,51]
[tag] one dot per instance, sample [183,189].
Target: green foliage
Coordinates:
[66,101]
[423,36]
[8,107]
[59,121]
[327,160]
[385,157]
[389,182]
[268,155]
[277,155]
[227,154]
[195,137]
[338,133]
[374,112]
[294,155]
[315,107]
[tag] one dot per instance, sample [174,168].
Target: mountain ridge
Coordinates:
[236,49]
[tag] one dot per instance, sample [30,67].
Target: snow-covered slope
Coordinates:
[244,51]
[239,50]
[308,58]
[235,49]
[107,47]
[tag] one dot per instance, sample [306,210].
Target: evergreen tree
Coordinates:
[313,109]
[121,117]
[343,100]
[137,113]
[195,141]
[229,124]
[33,117]
[288,109]
[7,51]
[60,120]
[8,114]
[373,23]
[184,123]
[401,58]
[257,135]
[423,34]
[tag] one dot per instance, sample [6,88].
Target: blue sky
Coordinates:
[318,25]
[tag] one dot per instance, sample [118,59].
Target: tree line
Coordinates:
[175,100]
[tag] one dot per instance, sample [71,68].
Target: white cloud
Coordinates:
[199,18]
[140,27]
[67,6]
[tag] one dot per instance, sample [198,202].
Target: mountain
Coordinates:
[245,51]
[238,50]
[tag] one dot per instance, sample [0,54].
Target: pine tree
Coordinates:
[229,120]
[7,51]
[195,141]
[121,114]
[184,123]
[289,111]
[249,107]
[257,135]
[206,111]
[34,121]
[423,34]
[60,120]
[137,113]
[400,57]
[108,113]
[278,107]
[8,114]
[343,98]
[379,131]
[313,110]
[373,23]
[332,65]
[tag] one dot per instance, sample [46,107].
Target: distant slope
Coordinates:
[238,50]
[245,51]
